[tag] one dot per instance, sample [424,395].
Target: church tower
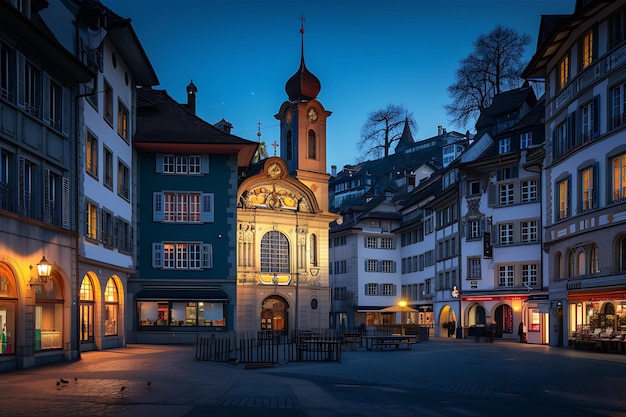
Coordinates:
[303,130]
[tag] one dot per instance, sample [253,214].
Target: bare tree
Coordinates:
[495,65]
[381,130]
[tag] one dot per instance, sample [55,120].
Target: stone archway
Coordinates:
[274,314]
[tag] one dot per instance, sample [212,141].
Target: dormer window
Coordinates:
[505,145]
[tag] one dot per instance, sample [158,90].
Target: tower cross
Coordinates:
[275,145]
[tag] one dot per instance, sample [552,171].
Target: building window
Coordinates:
[32,85]
[582,264]
[571,264]
[563,72]
[387,289]
[474,226]
[49,317]
[107,228]
[473,188]
[55,105]
[617,28]
[371,289]
[594,265]
[108,168]
[507,195]
[312,145]
[473,267]
[123,180]
[124,243]
[586,122]
[506,233]
[86,310]
[529,231]
[183,207]
[182,255]
[589,189]
[586,49]
[7,76]
[91,221]
[618,106]
[91,155]
[386,243]
[168,164]
[387,266]
[195,165]
[525,140]
[111,303]
[506,275]
[560,143]
[618,178]
[505,145]
[529,190]
[370,242]
[371,265]
[122,121]
[274,252]
[563,208]
[530,275]
[108,104]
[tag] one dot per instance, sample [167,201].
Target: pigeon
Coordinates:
[122,389]
[64,381]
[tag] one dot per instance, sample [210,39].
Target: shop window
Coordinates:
[86,310]
[8,307]
[111,300]
[49,317]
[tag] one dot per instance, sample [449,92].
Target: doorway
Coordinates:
[274,314]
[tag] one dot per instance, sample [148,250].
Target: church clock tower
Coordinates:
[303,131]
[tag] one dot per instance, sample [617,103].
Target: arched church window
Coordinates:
[312,145]
[274,252]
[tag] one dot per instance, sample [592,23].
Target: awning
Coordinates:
[186,294]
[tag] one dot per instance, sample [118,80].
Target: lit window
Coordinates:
[563,72]
[587,49]
[618,177]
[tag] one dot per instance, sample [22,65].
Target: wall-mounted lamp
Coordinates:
[44,268]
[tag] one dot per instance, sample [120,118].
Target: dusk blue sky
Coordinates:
[367,54]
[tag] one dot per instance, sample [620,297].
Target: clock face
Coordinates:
[311,115]
[274,170]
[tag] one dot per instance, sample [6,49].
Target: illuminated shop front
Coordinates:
[597,315]
[160,308]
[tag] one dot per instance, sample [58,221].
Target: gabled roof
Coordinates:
[504,103]
[164,125]
[554,30]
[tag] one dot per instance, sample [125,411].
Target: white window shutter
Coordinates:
[157,255]
[204,164]
[206,256]
[208,212]
[159,163]
[157,206]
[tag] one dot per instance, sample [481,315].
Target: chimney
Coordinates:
[191,97]
[440,130]
[333,170]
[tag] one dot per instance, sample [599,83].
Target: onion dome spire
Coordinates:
[303,85]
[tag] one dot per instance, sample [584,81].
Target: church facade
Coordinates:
[283,222]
